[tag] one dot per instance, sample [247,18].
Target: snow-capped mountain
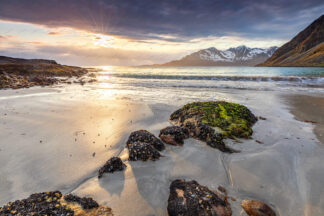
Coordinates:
[239,56]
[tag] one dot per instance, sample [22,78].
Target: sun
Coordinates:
[100,40]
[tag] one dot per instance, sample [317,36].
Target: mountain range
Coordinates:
[305,49]
[239,56]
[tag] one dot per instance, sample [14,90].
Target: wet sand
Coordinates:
[48,137]
[309,109]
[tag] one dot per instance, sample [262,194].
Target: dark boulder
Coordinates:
[112,165]
[174,135]
[146,137]
[142,151]
[188,198]
[257,208]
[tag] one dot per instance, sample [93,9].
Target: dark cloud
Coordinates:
[184,19]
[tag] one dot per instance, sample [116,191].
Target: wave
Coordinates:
[301,79]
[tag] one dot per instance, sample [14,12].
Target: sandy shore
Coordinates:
[309,109]
[49,137]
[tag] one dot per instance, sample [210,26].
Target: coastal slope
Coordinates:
[24,73]
[238,56]
[305,49]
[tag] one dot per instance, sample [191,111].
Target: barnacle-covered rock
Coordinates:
[38,204]
[112,165]
[257,208]
[147,137]
[53,203]
[84,202]
[142,151]
[174,135]
[188,198]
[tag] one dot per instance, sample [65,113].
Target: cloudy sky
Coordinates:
[136,32]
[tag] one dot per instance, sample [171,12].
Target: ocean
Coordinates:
[170,83]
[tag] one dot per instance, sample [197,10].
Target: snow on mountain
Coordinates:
[241,55]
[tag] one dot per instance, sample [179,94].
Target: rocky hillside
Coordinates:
[305,49]
[239,56]
[24,73]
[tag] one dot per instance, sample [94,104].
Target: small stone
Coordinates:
[112,165]
[257,208]
[174,135]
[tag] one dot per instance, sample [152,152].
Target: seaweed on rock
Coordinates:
[213,121]
[234,119]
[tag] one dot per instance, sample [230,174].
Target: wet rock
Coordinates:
[257,208]
[174,135]
[85,202]
[47,203]
[54,203]
[142,151]
[112,165]
[230,119]
[188,198]
[233,119]
[147,137]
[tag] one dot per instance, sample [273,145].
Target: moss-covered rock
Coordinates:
[233,119]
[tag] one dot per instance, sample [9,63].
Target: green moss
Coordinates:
[234,119]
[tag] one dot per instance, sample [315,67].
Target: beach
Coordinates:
[56,138]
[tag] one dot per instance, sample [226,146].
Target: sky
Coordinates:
[137,32]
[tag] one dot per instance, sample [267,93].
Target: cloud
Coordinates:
[170,20]
[52,33]
[83,56]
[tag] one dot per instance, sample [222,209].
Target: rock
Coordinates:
[174,135]
[142,151]
[54,203]
[200,118]
[85,202]
[45,203]
[233,119]
[257,208]
[112,165]
[147,137]
[23,73]
[188,198]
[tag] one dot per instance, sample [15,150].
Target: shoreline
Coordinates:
[309,109]
[60,120]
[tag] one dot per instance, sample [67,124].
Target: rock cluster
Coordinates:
[112,165]
[188,198]
[174,135]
